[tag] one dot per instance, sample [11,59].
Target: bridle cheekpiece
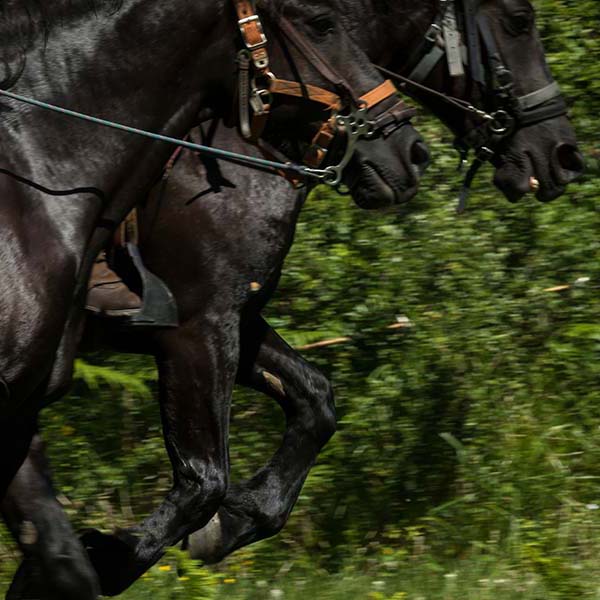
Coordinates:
[258,85]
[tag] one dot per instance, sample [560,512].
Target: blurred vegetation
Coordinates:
[467,462]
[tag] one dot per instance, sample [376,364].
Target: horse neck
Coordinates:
[152,64]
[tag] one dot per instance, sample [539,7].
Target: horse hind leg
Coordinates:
[55,565]
[259,508]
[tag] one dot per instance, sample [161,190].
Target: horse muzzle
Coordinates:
[388,172]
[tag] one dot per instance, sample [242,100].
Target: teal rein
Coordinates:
[234,157]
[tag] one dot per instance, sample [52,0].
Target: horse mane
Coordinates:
[23,21]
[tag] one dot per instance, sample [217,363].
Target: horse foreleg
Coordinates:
[15,437]
[259,508]
[197,365]
[55,565]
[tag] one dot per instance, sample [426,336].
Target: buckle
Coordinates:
[253,19]
[433,33]
[261,101]
[501,122]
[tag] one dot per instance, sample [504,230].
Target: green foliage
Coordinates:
[467,462]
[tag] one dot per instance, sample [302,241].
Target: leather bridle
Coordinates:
[258,86]
[463,36]
[367,118]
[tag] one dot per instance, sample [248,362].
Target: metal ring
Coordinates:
[332,176]
[500,122]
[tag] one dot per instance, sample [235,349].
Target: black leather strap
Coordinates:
[556,107]
[316,60]
[470,9]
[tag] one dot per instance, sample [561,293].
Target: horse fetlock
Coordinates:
[201,493]
[113,558]
[271,522]
[327,426]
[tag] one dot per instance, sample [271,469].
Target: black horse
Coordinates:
[223,337]
[158,65]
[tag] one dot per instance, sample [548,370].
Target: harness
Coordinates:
[463,37]
[257,87]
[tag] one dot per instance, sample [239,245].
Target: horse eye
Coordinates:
[323,24]
[521,23]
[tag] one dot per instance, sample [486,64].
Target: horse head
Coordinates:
[311,46]
[480,66]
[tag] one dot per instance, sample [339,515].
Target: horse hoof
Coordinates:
[206,544]
[113,558]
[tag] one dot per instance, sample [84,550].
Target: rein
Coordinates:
[464,47]
[233,157]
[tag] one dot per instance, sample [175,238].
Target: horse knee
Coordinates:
[271,521]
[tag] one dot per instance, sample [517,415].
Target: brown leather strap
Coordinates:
[318,150]
[252,33]
[303,90]
[382,92]
[128,232]
[315,59]
[259,123]
[282,87]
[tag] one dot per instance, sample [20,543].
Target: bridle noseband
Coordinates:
[258,85]
[473,46]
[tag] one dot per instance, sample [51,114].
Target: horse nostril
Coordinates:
[420,156]
[569,158]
